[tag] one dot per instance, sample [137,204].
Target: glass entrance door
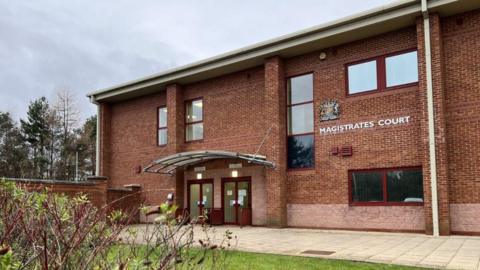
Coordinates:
[200,198]
[229,203]
[236,199]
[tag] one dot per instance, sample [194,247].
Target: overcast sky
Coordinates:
[51,45]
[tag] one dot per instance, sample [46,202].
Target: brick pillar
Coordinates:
[275,144]
[105,135]
[440,127]
[101,186]
[176,130]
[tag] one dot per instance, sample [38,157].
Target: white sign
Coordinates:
[235,165]
[363,125]
[199,169]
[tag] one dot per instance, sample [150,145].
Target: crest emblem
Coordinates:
[329,110]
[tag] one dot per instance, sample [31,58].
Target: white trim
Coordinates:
[380,20]
[97,139]
[431,119]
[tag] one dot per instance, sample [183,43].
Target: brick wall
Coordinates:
[439,120]
[127,199]
[133,143]
[275,145]
[461,40]
[95,191]
[319,197]
[241,107]
[341,216]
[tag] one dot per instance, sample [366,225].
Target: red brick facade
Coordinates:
[127,199]
[242,108]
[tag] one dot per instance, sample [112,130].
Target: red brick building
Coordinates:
[371,123]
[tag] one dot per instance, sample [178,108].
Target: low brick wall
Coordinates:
[465,218]
[128,199]
[343,216]
[94,189]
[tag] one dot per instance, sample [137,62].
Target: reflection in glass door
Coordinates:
[194,200]
[243,188]
[229,202]
[236,199]
[200,198]
[207,198]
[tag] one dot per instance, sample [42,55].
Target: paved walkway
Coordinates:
[450,252]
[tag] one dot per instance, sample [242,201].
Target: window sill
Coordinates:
[162,145]
[386,204]
[195,141]
[387,91]
[301,170]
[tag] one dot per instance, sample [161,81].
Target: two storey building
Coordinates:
[366,123]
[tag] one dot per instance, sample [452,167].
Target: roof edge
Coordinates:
[259,50]
[263,44]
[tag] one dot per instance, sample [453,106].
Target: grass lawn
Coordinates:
[239,260]
[259,261]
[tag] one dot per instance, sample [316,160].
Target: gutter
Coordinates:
[431,119]
[387,17]
[262,50]
[97,139]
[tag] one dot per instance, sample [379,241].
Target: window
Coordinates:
[300,141]
[382,73]
[386,186]
[362,77]
[162,136]
[194,120]
[401,69]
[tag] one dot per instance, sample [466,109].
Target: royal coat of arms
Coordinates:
[329,110]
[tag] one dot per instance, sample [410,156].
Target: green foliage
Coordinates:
[167,214]
[258,261]
[117,216]
[45,144]
[14,160]
[51,231]
[7,261]
[36,132]
[47,229]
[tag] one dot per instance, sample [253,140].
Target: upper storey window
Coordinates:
[401,69]
[382,73]
[362,77]
[162,126]
[194,120]
[300,141]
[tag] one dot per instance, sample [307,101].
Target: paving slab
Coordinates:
[445,252]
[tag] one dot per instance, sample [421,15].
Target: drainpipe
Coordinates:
[97,139]
[431,118]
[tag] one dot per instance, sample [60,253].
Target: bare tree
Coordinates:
[68,117]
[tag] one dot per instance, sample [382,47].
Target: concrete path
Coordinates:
[451,252]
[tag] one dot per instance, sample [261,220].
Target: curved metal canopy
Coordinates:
[169,164]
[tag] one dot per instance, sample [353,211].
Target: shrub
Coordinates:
[44,230]
[53,231]
[169,243]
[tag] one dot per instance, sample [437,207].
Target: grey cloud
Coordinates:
[88,45]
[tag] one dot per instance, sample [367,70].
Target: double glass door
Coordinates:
[200,197]
[236,199]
